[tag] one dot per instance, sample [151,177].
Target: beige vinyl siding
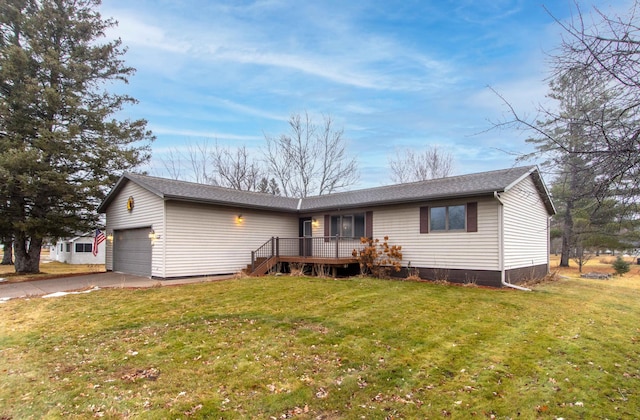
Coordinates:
[525,226]
[147,211]
[454,250]
[202,239]
[346,246]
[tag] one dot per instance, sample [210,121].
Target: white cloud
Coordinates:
[487,12]
[161,130]
[245,109]
[137,32]
[347,56]
[308,64]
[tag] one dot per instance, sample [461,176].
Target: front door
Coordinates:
[306,241]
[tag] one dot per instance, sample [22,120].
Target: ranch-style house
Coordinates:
[489,228]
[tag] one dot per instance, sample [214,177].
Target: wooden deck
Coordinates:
[263,266]
[317,260]
[331,251]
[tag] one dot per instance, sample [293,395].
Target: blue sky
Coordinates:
[393,74]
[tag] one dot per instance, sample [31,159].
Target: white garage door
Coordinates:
[132,251]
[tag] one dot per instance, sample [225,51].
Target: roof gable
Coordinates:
[484,183]
[169,189]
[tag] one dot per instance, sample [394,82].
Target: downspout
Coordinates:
[503,280]
[548,244]
[164,238]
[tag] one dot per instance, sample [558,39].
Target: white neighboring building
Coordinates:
[78,250]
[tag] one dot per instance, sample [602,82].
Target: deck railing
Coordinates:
[327,247]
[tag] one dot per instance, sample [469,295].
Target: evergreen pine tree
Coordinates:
[61,148]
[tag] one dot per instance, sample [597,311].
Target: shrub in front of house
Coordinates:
[378,258]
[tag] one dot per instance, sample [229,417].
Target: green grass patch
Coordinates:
[321,348]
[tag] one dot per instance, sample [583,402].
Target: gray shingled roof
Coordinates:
[478,184]
[456,186]
[190,191]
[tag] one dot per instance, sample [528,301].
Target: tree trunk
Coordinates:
[27,253]
[7,256]
[568,238]
[580,258]
[567,234]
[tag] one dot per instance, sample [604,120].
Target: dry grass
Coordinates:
[49,269]
[601,264]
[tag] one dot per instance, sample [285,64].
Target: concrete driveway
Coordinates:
[99,280]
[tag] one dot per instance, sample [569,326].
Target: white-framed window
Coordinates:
[84,247]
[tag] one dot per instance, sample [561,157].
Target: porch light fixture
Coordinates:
[110,236]
[153,236]
[315,222]
[239,219]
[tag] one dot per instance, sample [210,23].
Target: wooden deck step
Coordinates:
[262,266]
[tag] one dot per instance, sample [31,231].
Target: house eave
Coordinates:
[412,200]
[223,203]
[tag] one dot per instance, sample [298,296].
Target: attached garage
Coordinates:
[132,251]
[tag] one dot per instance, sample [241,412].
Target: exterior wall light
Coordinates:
[239,219]
[110,236]
[153,236]
[315,222]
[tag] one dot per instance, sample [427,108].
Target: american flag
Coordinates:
[97,240]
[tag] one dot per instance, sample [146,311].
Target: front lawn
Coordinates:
[48,270]
[322,348]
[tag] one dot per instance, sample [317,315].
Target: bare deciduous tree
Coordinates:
[338,171]
[310,159]
[193,164]
[172,163]
[234,168]
[218,165]
[607,53]
[410,166]
[609,50]
[199,158]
